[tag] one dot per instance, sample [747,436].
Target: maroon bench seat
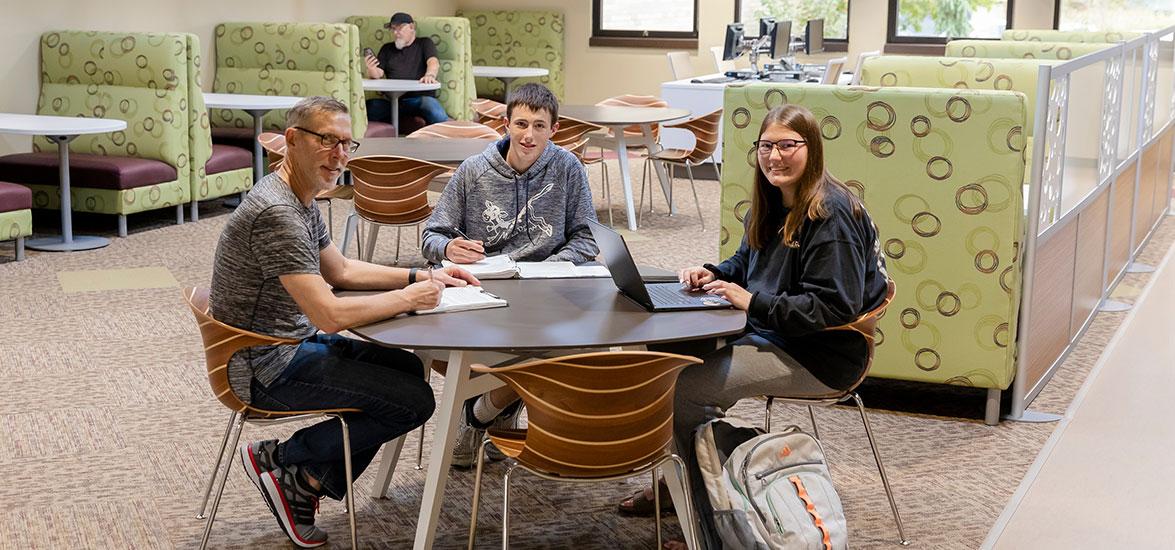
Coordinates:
[228,157]
[379,129]
[86,170]
[14,197]
[237,137]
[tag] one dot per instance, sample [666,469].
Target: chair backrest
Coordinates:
[572,130]
[393,190]
[491,113]
[1005,49]
[291,59]
[721,65]
[866,326]
[454,52]
[275,148]
[832,70]
[861,57]
[595,414]
[1050,35]
[705,130]
[679,65]
[221,341]
[456,129]
[633,100]
[517,38]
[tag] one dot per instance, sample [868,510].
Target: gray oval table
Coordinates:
[439,150]
[543,315]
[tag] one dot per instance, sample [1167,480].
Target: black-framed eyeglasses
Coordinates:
[785,146]
[330,142]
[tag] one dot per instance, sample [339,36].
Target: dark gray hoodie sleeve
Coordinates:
[579,247]
[449,213]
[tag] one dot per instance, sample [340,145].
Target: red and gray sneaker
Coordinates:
[257,458]
[294,504]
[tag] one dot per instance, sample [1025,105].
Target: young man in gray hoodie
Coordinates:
[524,197]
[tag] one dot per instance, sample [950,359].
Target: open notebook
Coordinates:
[502,267]
[465,298]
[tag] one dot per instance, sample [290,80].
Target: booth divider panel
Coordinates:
[1089,261]
[1052,299]
[1121,203]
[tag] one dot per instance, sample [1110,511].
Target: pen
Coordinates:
[491,295]
[462,234]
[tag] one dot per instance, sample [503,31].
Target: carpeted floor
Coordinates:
[109,426]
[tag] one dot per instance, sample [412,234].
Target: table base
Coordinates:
[58,244]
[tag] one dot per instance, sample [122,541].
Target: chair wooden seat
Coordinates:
[705,131]
[670,154]
[510,441]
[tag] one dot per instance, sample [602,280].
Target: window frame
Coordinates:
[830,44]
[641,39]
[891,36]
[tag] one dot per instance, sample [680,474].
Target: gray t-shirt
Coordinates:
[270,234]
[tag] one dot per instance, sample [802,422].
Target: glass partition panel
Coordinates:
[1130,103]
[1165,88]
[1089,135]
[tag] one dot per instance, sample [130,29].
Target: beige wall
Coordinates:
[23,21]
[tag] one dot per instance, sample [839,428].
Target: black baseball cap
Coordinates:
[399,18]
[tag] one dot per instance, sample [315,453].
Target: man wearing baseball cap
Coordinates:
[411,58]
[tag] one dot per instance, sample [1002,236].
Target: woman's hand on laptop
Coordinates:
[694,277]
[736,295]
[464,251]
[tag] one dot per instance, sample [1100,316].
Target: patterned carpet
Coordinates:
[109,426]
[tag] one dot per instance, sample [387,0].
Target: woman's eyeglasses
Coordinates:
[330,142]
[785,146]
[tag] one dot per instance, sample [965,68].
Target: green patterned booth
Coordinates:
[454,52]
[1002,49]
[940,172]
[16,215]
[512,38]
[291,59]
[1050,35]
[221,169]
[142,78]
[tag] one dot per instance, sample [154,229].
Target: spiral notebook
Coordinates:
[465,298]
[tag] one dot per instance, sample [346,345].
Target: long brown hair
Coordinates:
[814,186]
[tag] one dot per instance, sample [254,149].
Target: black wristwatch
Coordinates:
[412,275]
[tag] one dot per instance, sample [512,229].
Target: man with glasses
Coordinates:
[274,271]
[409,57]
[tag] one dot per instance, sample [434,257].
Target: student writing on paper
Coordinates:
[523,197]
[273,273]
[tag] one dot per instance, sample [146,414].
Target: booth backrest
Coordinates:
[1050,35]
[940,172]
[513,38]
[1005,49]
[1018,75]
[451,35]
[142,78]
[293,59]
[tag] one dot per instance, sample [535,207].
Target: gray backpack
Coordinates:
[769,490]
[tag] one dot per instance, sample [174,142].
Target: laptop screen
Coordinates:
[619,262]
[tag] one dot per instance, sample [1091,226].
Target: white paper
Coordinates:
[490,267]
[559,270]
[465,298]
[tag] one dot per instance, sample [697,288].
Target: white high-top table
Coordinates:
[508,74]
[394,88]
[62,130]
[256,106]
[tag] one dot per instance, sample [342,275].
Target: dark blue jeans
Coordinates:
[330,371]
[429,108]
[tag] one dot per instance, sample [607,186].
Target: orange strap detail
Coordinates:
[811,507]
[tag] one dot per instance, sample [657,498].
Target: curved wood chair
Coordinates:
[491,113]
[572,135]
[275,152]
[391,191]
[866,326]
[457,129]
[221,341]
[633,100]
[705,131]
[592,417]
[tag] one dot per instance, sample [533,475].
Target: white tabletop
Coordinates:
[48,125]
[398,85]
[249,102]
[490,71]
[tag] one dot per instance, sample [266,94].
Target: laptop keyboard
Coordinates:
[669,294]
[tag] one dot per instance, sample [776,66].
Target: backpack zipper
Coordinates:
[761,475]
[746,465]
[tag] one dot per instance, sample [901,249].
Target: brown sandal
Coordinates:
[640,505]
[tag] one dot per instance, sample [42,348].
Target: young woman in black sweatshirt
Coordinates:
[810,259]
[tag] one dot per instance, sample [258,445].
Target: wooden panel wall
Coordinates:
[1144,207]
[1163,189]
[1121,202]
[1088,259]
[1052,299]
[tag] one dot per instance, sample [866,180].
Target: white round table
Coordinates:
[394,88]
[508,74]
[256,106]
[62,130]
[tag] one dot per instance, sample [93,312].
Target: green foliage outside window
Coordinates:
[947,18]
[834,12]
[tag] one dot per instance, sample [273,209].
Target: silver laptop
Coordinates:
[653,296]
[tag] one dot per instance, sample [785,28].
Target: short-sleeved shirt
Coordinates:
[409,63]
[269,235]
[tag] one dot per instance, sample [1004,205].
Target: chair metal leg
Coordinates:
[427,380]
[396,260]
[347,469]
[607,189]
[481,455]
[690,172]
[194,210]
[691,534]
[656,507]
[232,418]
[179,214]
[122,225]
[371,242]
[506,507]
[240,425]
[330,219]
[893,505]
[767,416]
[640,207]
[812,415]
